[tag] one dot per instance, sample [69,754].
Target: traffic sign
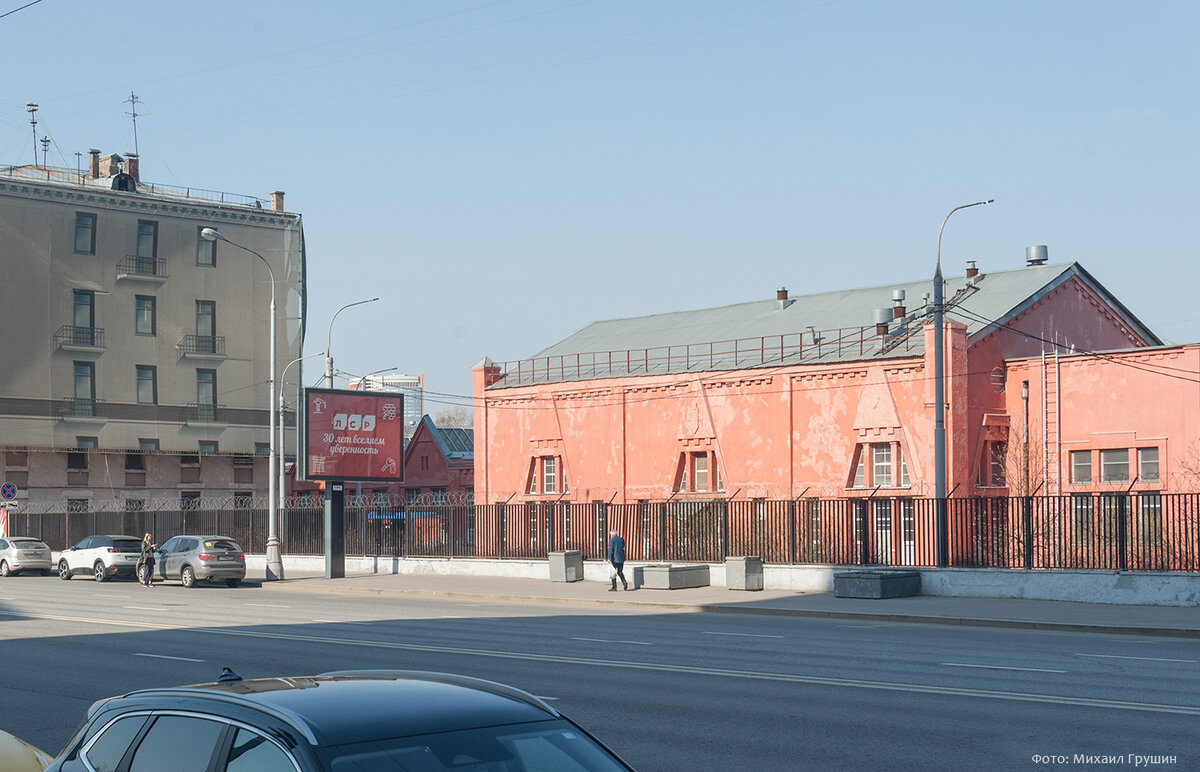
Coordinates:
[8,491]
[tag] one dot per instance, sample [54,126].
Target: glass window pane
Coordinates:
[206,251]
[147,239]
[1114,465]
[700,465]
[1148,464]
[254,753]
[1081,466]
[549,479]
[85,233]
[106,751]
[145,386]
[84,309]
[145,315]
[882,467]
[178,743]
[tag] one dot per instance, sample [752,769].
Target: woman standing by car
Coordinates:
[146,569]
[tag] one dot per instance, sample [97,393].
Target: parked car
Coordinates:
[16,755]
[101,556]
[352,720]
[192,559]
[24,553]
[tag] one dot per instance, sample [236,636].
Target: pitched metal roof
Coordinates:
[456,444]
[825,326]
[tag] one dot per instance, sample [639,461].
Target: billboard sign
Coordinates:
[353,435]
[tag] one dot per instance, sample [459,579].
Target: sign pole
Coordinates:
[335,530]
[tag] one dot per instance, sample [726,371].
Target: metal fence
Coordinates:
[1104,531]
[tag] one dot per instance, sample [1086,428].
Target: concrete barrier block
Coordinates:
[744,573]
[876,584]
[669,577]
[566,566]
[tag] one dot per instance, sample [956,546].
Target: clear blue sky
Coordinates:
[502,172]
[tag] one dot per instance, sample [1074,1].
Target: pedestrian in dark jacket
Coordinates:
[146,569]
[616,557]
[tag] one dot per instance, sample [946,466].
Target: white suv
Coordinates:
[102,557]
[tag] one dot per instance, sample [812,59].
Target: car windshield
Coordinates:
[27,543]
[221,544]
[546,745]
[127,545]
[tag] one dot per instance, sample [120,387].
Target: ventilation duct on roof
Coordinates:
[882,317]
[898,309]
[1037,255]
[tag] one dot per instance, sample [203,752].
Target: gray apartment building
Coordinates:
[135,352]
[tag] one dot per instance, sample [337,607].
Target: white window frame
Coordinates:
[1076,457]
[1107,462]
[1144,462]
[881,464]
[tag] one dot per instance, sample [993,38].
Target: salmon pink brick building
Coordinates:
[1053,387]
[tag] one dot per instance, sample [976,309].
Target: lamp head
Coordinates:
[208,234]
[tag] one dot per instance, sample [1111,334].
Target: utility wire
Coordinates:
[22,8]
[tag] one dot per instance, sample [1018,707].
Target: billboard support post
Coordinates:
[335,530]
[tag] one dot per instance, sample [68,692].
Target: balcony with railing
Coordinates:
[137,268]
[82,408]
[205,413]
[72,338]
[202,346]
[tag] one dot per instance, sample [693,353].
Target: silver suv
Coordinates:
[22,553]
[195,558]
[101,556]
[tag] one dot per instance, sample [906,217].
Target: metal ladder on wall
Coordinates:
[1051,408]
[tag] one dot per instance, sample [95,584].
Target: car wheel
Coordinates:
[100,572]
[232,582]
[4,569]
[64,571]
[188,577]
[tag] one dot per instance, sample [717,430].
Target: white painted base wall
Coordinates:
[1142,589]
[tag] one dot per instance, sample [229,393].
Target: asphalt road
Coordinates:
[668,691]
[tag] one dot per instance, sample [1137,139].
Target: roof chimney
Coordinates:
[781,293]
[882,317]
[277,201]
[972,271]
[898,309]
[93,163]
[1037,255]
[131,166]
[110,165]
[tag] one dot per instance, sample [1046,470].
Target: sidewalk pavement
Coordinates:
[926,609]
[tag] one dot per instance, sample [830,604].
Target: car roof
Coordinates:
[114,536]
[357,706]
[203,536]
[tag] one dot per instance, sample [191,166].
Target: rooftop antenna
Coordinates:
[45,148]
[133,113]
[78,166]
[32,108]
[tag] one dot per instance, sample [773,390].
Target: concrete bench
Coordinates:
[668,577]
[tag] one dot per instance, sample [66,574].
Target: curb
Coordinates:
[720,608]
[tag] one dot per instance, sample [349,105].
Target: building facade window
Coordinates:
[189,500]
[549,475]
[206,251]
[145,321]
[546,475]
[78,459]
[147,444]
[135,462]
[1081,467]
[85,310]
[85,388]
[1082,519]
[1114,465]
[881,465]
[439,495]
[698,472]
[243,499]
[1147,459]
[75,506]
[85,233]
[206,395]
[147,238]
[412,496]
[206,327]
[147,384]
[998,463]
[209,446]
[1149,522]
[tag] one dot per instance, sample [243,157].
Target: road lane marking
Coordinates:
[756,675]
[144,608]
[341,622]
[606,640]
[1147,659]
[1001,667]
[164,656]
[741,635]
[265,605]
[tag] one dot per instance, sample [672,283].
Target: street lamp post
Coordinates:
[282,441]
[329,341]
[274,558]
[942,546]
